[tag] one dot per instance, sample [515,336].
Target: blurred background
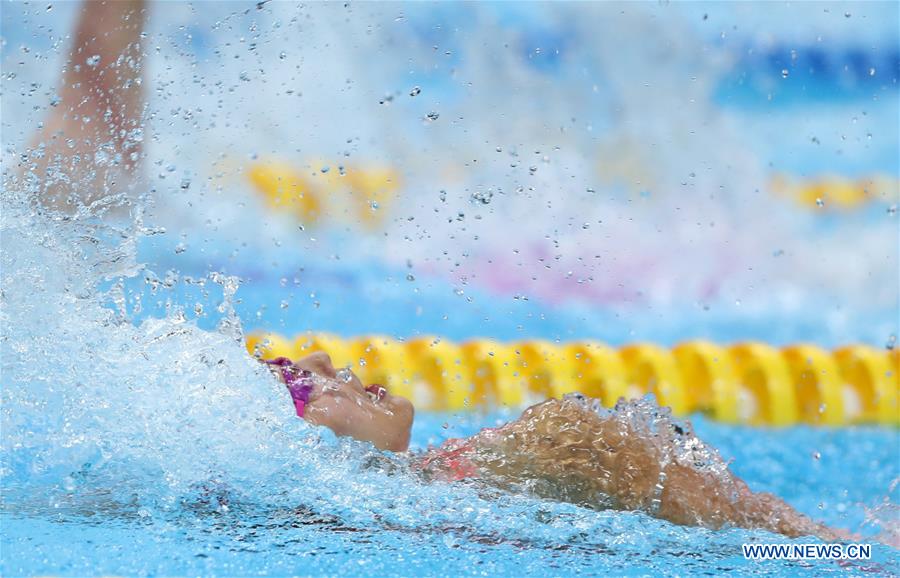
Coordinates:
[610,171]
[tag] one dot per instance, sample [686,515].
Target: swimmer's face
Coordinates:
[348,408]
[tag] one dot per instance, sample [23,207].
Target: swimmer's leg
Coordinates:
[90,143]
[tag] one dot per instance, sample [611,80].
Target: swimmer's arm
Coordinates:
[579,457]
[690,497]
[100,105]
[563,452]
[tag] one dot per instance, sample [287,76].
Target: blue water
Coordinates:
[150,443]
[629,151]
[307,293]
[477,534]
[138,444]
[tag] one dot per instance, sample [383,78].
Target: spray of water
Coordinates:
[160,418]
[84,388]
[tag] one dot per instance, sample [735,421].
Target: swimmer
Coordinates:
[631,458]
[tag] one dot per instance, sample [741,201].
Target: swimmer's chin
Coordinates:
[403,411]
[386,424]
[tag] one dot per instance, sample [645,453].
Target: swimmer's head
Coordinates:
[340,401]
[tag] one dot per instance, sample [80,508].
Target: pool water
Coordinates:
[155,446]
[394,525]
[139,438]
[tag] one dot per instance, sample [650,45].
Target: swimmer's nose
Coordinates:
[318,362]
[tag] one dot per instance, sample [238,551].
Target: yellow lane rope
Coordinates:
[748,382]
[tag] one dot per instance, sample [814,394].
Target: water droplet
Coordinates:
[784,73]
[816,455]
[325,169]
[285,304]
[344,375]
[180,248]
[891,342]
[282,55]
[93,61]
[483,197]
[373,205]
[820,203]
[822,408]
[244,76]
[410,277]
[432,116]
[892,211]
[416,91]
[872,71]
[362,362]
[185,184]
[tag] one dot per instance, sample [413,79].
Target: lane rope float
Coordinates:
[748,382]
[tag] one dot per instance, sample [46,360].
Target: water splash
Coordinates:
[84,388]
[157,419]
